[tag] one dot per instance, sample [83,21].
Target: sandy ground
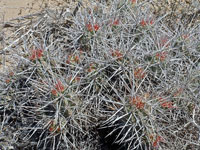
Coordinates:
[10,9]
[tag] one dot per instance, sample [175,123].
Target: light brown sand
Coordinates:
[10,9]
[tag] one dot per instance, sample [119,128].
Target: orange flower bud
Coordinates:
[140,105]
[78,79]
[11,73]
[89,27]
[37,53]
[161,56]
[139,73]
[58,129]
[76,59]
[151,22]
[143,23]
[73,59]
[137,102]
[92,28]
[185,36]
[7,81]
[165,103]
[91,67]
[115,22]
[59,86]
[146,22]
[51,129]
[96,27]
[117,54]
[54,92]
[156,142]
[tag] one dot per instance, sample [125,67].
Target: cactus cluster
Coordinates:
[113,76]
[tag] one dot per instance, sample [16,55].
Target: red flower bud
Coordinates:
[59,86]
[37,53]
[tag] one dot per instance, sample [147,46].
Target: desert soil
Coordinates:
[10,9]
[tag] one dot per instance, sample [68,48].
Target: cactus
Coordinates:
[117,77]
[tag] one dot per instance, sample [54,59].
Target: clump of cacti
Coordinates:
[112,77]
